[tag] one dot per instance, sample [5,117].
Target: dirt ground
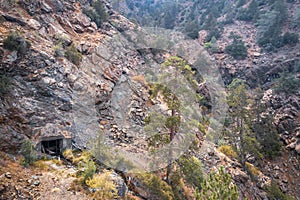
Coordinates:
[47,180]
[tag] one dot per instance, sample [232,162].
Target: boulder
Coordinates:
[120,184]
[45,7]
[33,24]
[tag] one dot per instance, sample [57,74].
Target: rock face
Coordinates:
[44,90]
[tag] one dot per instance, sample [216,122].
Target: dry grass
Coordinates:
[82,157]
[252,169]
[68,154]
[57,162]
[42,165]
[104,185]
[131,197]
[228,151]
[140,79]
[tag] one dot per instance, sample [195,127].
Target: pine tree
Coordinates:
[162,128]
[242,137]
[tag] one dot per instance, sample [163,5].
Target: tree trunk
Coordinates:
[172,135]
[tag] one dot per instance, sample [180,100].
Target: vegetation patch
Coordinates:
[28,153]
[217,185]
[290,38]
[287,83]
[155,187]
[5,84]
[73,55]
[103,185]
[228,151]
[15,42]
[97,12]
[237,48]
[252,169]
[274,192]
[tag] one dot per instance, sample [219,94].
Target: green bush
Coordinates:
[89,170]
[155,187]
[218,185]
[249,14]
[28,152]
[290,38]
[274,193]
[15,42]
[73,55]
[58,50]
[192,29]
[268,137]
[270,24]
[97,12]
[237,49]
[191,169]
[287,83]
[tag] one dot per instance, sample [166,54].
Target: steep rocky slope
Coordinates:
[39,94]
[43,93]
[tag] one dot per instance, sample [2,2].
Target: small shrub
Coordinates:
[268,137]
[58,50]
[290,38]
[104,186]
[28,153]
[237,49]
[287,83]
[252,169]
[89,170]
[15,42]
[41,164]
[179,188]
[57,162]
[155,187]
[2,19]
[77,186]
[218,185]
[68,154]
[62,39]
[97,12]
[228,151]
[84,157]
[207,45]
[191,168]
[274,193]
[73,55]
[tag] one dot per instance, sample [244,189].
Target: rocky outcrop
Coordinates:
[285,110]
[42,87]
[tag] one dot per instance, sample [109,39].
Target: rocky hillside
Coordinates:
[264,61]
[72,69]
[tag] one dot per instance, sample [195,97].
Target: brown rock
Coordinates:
[297,148]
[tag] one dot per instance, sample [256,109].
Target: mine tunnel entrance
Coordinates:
[52,147]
